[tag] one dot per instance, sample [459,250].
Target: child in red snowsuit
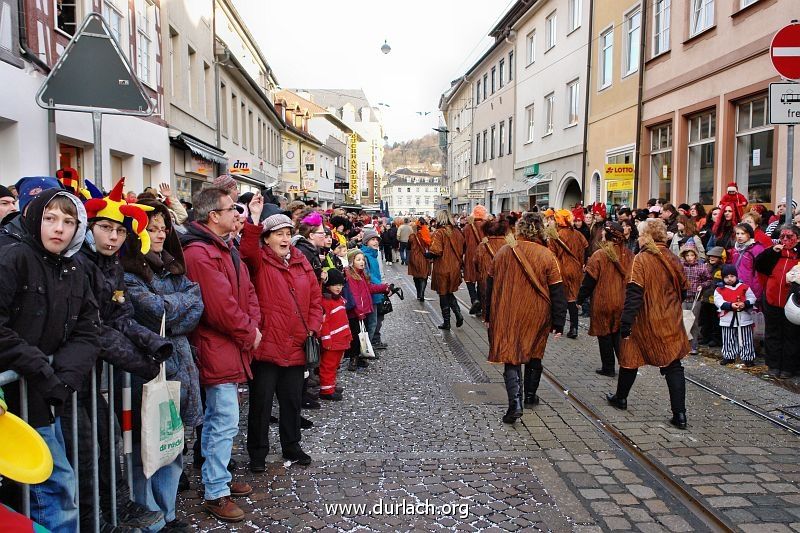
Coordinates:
[335,335]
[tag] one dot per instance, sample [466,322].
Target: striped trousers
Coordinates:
[731,347]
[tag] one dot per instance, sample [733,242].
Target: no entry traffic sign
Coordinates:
[785,51]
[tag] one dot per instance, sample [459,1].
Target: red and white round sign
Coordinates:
[785,51]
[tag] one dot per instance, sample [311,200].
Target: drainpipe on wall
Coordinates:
[30,55]
[637,149]
[586,106]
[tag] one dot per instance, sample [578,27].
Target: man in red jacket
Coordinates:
[227,336]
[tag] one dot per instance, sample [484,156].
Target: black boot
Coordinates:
[572,307]
[533,374]
[418,286]
[607,361]
[352,366]
[456,310]
[444,305]
[624,383]
[512,377]
[676,383]
[474,298]
[424,285]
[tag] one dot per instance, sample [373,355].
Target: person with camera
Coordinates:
[290,302]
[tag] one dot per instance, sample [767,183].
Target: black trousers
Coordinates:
[782,340]
[609,350]
[269,380]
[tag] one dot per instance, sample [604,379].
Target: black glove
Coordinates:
[429,255]
[163,353]
[558,330]
[625,331]
[57,395]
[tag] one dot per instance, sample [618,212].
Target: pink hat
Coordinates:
[226,182]
[480,212]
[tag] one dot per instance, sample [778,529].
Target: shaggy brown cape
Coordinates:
[448,245]
[483,260]
[610,266]
[473,235]
[520,316]
[569,247]
[658,337]
[418,265]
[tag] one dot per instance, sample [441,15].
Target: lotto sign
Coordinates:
[785,52]
[619,171]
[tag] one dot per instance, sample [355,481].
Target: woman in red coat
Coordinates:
[291,310]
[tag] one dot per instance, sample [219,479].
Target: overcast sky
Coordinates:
[336,45]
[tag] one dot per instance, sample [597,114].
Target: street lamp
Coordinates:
[386,48]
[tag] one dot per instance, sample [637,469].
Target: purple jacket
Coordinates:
[358,294]
[745,266]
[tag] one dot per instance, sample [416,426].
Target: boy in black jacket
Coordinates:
[47,310]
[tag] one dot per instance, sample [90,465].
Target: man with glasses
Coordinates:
[226,338]
[780,335]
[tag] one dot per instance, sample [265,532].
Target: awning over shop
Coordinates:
[199,148]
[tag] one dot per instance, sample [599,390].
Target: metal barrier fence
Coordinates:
[127,440]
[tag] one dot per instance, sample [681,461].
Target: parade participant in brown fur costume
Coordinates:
[525,287]
[652,330]
[569,247]
[447,252]
[607,272]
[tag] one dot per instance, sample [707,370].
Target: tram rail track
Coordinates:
[710,517]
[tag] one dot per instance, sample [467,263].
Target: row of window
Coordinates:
[632,31]
[753,154]
[573,105]
[487,142]
[491,81]
[701,18]
[255,132]
[409,200]
[115,12]
[574,16]
[421,189]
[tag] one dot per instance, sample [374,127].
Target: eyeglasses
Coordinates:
[105,228]
[231,208]
[318,233]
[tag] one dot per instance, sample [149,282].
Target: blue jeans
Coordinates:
[160,491]
[404,252]
[220,426]
[371,322]
[53,502]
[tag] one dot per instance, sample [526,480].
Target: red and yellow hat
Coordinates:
[114,207]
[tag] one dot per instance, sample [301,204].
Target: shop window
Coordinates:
[616,193]
[702,146]
[754,150]
[538,195]
[661,162]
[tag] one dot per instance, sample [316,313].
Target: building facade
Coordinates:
[457,108]
[411,193]
[552,52]
[34,142]
[613,102]
[250,127]
[705,118]
[492,84]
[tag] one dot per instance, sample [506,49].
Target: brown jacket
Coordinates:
[569,249]
[520,318]
[610,267]
[658,337]
[473,235]
[418,265]
[448,247]
[483,261]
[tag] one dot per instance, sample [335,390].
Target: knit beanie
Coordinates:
[729,270]
[351,255]
[5,192]
[369,234]
[334,278]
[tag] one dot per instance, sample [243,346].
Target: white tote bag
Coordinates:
[689,317]
[366,346]
[162,427]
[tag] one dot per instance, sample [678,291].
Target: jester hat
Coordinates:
[114,207]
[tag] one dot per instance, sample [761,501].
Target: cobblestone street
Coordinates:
[422,426]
